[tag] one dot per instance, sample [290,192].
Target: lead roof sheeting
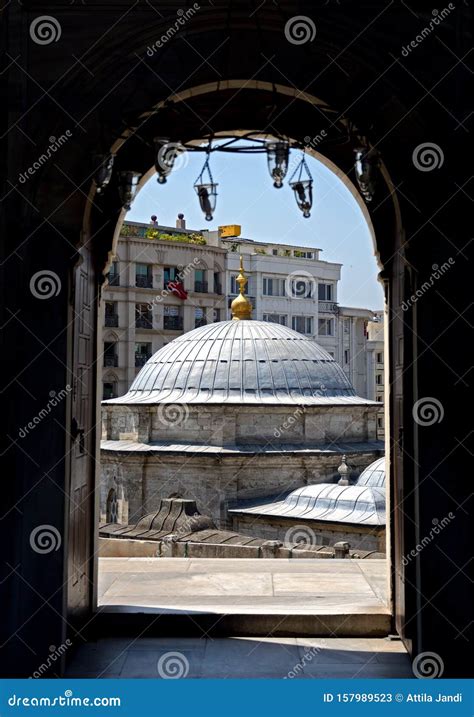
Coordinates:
[241,361]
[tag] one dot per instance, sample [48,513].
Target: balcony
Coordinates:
[327,307]
[143,322]
[200,287]
[114,279]
[144,282]
[173,323]
[111,320]
[141,359]
[217,288]
[110,360]
[200,322]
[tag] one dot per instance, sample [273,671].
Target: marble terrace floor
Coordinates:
[344,595]
[237,657]
[245,586]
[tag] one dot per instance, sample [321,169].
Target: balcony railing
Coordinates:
[110,360]
[143,322]
[200,287]
[328,307]
[114,279]
[111,320]
[144,282]
[173,323]
[141,359]
[199,322]
[217,288]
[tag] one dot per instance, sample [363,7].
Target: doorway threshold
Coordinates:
[343,598]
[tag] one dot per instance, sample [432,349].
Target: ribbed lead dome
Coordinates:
[373,475]
[241,362]
[361,503]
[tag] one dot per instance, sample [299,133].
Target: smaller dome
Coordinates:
[373,475]
[327,502]
[362,503]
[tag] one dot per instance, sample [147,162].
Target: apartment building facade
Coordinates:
[293,286]
[165,281]
[375,362]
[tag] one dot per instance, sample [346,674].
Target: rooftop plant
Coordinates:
[131,230]
[191,238]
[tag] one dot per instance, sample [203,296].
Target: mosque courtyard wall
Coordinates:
[313,531]
[217,481]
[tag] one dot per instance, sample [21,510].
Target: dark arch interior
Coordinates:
[104,94]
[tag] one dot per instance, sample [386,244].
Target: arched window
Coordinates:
[112,507]
[200,278]
[110,384]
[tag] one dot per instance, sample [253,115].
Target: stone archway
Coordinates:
[386,230]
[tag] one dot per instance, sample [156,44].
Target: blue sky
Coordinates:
[246,196]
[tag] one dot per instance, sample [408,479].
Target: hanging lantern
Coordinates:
[303,187]
[166,153]
[366,163]
[277,157]
[128,185]
[104,164]
[206,191]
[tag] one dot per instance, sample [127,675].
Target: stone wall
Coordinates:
[316,532]
[220,425]
[136,548]
[216,481]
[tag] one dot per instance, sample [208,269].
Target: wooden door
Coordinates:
[83,439]
[402,450]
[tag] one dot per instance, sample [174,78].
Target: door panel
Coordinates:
[82,459]
[402,451]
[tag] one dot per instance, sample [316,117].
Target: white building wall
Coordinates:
[348,338]
[158,254]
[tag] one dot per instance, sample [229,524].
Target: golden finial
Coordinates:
[241,307]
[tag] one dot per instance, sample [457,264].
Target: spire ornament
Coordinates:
[241,307]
